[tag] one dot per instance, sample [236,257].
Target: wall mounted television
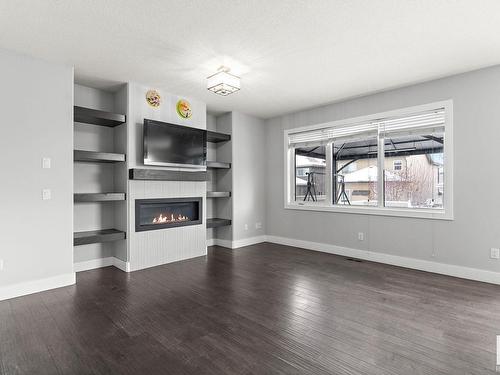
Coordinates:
[171,145]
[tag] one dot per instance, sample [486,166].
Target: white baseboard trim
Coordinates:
[35,286]
[121,264]
[248,241]
[238,243]
[100,263]
[93,263]
[395,260]
[224,243]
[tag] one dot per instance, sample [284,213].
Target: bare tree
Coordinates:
[414,182]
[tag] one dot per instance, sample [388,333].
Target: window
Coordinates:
[417,184]
[310,168]
[394,163]
[354,163]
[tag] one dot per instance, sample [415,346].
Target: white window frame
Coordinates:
[443,214]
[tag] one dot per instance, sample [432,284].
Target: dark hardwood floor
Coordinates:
[263,309]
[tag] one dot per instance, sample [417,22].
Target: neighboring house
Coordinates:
[410,181]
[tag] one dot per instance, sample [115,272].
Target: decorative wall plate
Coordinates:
[153,98]
[184,108]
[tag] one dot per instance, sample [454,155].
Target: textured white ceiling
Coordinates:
[291,54]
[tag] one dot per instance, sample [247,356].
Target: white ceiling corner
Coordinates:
[291,54]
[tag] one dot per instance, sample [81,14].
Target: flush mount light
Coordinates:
[223,83]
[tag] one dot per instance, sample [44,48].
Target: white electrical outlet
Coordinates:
[46,163]
[258,225]
[1,264]
[494,253]
[246,226]
[361,236]
[46,194]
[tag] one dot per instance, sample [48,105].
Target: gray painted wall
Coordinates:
[36,238]
[467,240]
[249,158]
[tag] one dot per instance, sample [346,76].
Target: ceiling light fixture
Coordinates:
[223,83]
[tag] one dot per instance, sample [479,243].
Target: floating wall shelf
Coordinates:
[96,117]
[218,165]
[218,194]
[164,175]
[97,157]
[216,222]
[99,197]
[97,236]
[216,137]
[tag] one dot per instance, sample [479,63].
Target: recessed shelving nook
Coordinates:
[100,173]
[218,179]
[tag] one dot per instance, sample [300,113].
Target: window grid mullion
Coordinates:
[329,174]
[380,167]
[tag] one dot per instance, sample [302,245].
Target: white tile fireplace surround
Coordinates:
[155,247]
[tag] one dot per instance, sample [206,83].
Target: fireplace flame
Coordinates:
[170,219]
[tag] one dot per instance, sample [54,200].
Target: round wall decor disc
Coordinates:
[184,109]
[153,98]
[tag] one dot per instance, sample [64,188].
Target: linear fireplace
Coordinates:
[152,214]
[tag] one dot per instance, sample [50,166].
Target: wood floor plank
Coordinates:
[262,309]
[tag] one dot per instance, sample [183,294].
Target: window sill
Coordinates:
[378,211]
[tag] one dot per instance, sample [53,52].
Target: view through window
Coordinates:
[418,182]
[310,171]
[355,171]
[412,163]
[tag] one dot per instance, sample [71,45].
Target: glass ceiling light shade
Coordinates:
[223,83]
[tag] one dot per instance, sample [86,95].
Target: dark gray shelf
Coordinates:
[99,197]
[163,175]
[97,157]
[96,117]
[218,165]
[216,222]
[97,236]
[216,137]
[218,194]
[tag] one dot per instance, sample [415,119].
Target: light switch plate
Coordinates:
[46,163]
[46,194]
[494,253]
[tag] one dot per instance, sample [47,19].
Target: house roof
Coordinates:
[369,174]
[300,182]
[306,161]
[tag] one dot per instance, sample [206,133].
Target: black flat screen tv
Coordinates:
[172,145]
